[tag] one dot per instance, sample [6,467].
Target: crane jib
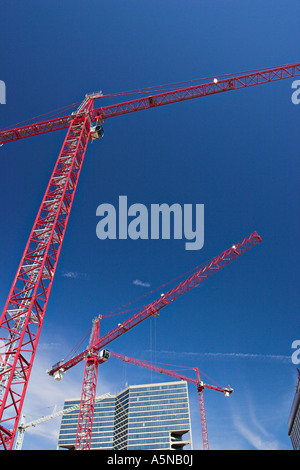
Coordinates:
[214,87]
[206,271]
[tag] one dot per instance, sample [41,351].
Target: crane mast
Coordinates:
[88,394]
[202,412]
[23,314]
[198,382]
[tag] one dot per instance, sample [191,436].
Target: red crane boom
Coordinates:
[198,91]
[201,385]
[154,307]
[24,310]
[198,382]
[182,94]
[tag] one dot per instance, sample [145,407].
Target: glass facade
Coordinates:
[103,425]
[154,416]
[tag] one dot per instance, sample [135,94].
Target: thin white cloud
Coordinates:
[259,438]
[276,357]
[137,282]
[74,275]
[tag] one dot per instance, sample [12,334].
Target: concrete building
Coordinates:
[294,418]
[151,416]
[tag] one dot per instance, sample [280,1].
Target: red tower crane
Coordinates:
[198,382]
[92,357]
[23,314]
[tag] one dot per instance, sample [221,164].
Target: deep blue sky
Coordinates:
[236,153]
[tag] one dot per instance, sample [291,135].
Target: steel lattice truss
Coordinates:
[154,307]
[182,94]
[23,314]
[91,355]
[199,384]
[88,395]
[25,308]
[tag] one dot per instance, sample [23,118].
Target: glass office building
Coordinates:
[153,416]
[103,424]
